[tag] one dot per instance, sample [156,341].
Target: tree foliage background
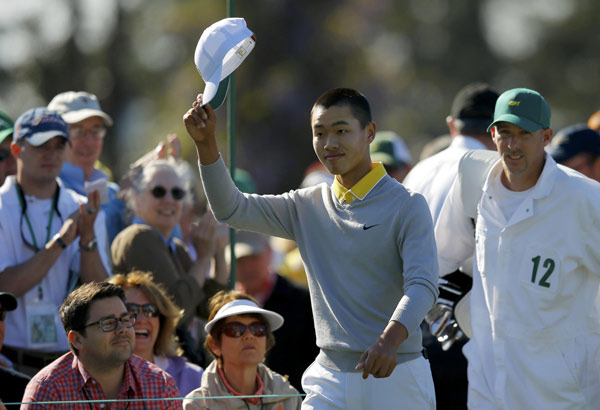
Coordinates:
[408,57]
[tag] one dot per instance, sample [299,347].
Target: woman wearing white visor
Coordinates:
[239,335]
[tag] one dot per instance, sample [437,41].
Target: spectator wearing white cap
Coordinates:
[87,125]
[48,240]
[239,336]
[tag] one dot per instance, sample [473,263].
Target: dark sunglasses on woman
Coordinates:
[160,191]
[237,329]
[150,309]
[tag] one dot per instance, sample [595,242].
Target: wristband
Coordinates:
[59,240]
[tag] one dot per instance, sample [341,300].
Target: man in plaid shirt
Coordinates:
[101,364]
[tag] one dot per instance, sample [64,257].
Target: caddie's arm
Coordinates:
[201,122]
[380,358]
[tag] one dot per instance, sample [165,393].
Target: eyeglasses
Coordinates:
[160,191]
[2,315]
[79,131]
[150,309]
[237,329]
[4,154]
[109,324]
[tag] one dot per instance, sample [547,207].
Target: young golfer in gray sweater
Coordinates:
[369,252]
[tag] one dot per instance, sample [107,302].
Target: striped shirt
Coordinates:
[66,379]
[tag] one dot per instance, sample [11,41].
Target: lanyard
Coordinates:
[54,209]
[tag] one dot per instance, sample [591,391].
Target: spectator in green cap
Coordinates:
[389,148]
[8,165]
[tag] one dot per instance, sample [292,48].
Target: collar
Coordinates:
[170,241]
[362,188]
[10,196]
[543,185]
[128,380]
[74,177]
[259,390]
[466,142]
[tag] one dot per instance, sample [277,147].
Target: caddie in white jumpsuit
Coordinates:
[535,298]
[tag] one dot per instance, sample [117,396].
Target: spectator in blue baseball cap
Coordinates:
[577,147]
[50,240]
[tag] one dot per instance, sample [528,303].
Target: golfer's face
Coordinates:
[339,141]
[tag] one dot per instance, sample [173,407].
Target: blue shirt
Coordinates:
[73,178]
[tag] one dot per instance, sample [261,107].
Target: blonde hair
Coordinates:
[167,343]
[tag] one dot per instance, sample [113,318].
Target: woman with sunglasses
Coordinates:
[156,319]
[156,198]
[239,336]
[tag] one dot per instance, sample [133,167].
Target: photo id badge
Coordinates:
[42,325]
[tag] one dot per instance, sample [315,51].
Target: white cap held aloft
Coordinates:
[220,51]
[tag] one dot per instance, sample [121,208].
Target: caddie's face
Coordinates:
[341,144]
[522,153]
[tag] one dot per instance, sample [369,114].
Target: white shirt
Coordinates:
[433,176]
[61,277]
[535,301]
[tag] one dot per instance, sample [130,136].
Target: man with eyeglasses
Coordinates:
[48,240]
[8,166]
[87,128]
[101,364]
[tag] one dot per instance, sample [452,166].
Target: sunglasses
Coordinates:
[237,329]
[150,309]
[160,191]
[2,315]
[111,323]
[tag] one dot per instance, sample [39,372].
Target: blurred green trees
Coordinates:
[408,57]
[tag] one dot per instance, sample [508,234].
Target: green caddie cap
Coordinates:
[523,107]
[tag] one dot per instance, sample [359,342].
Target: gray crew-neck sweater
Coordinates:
[367,262]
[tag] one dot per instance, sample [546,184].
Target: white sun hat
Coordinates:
[221,49]
[244,307]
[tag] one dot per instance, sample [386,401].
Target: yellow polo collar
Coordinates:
[362,187]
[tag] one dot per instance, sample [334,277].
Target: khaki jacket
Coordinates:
[212,386]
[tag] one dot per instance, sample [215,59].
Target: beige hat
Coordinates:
[75,106]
